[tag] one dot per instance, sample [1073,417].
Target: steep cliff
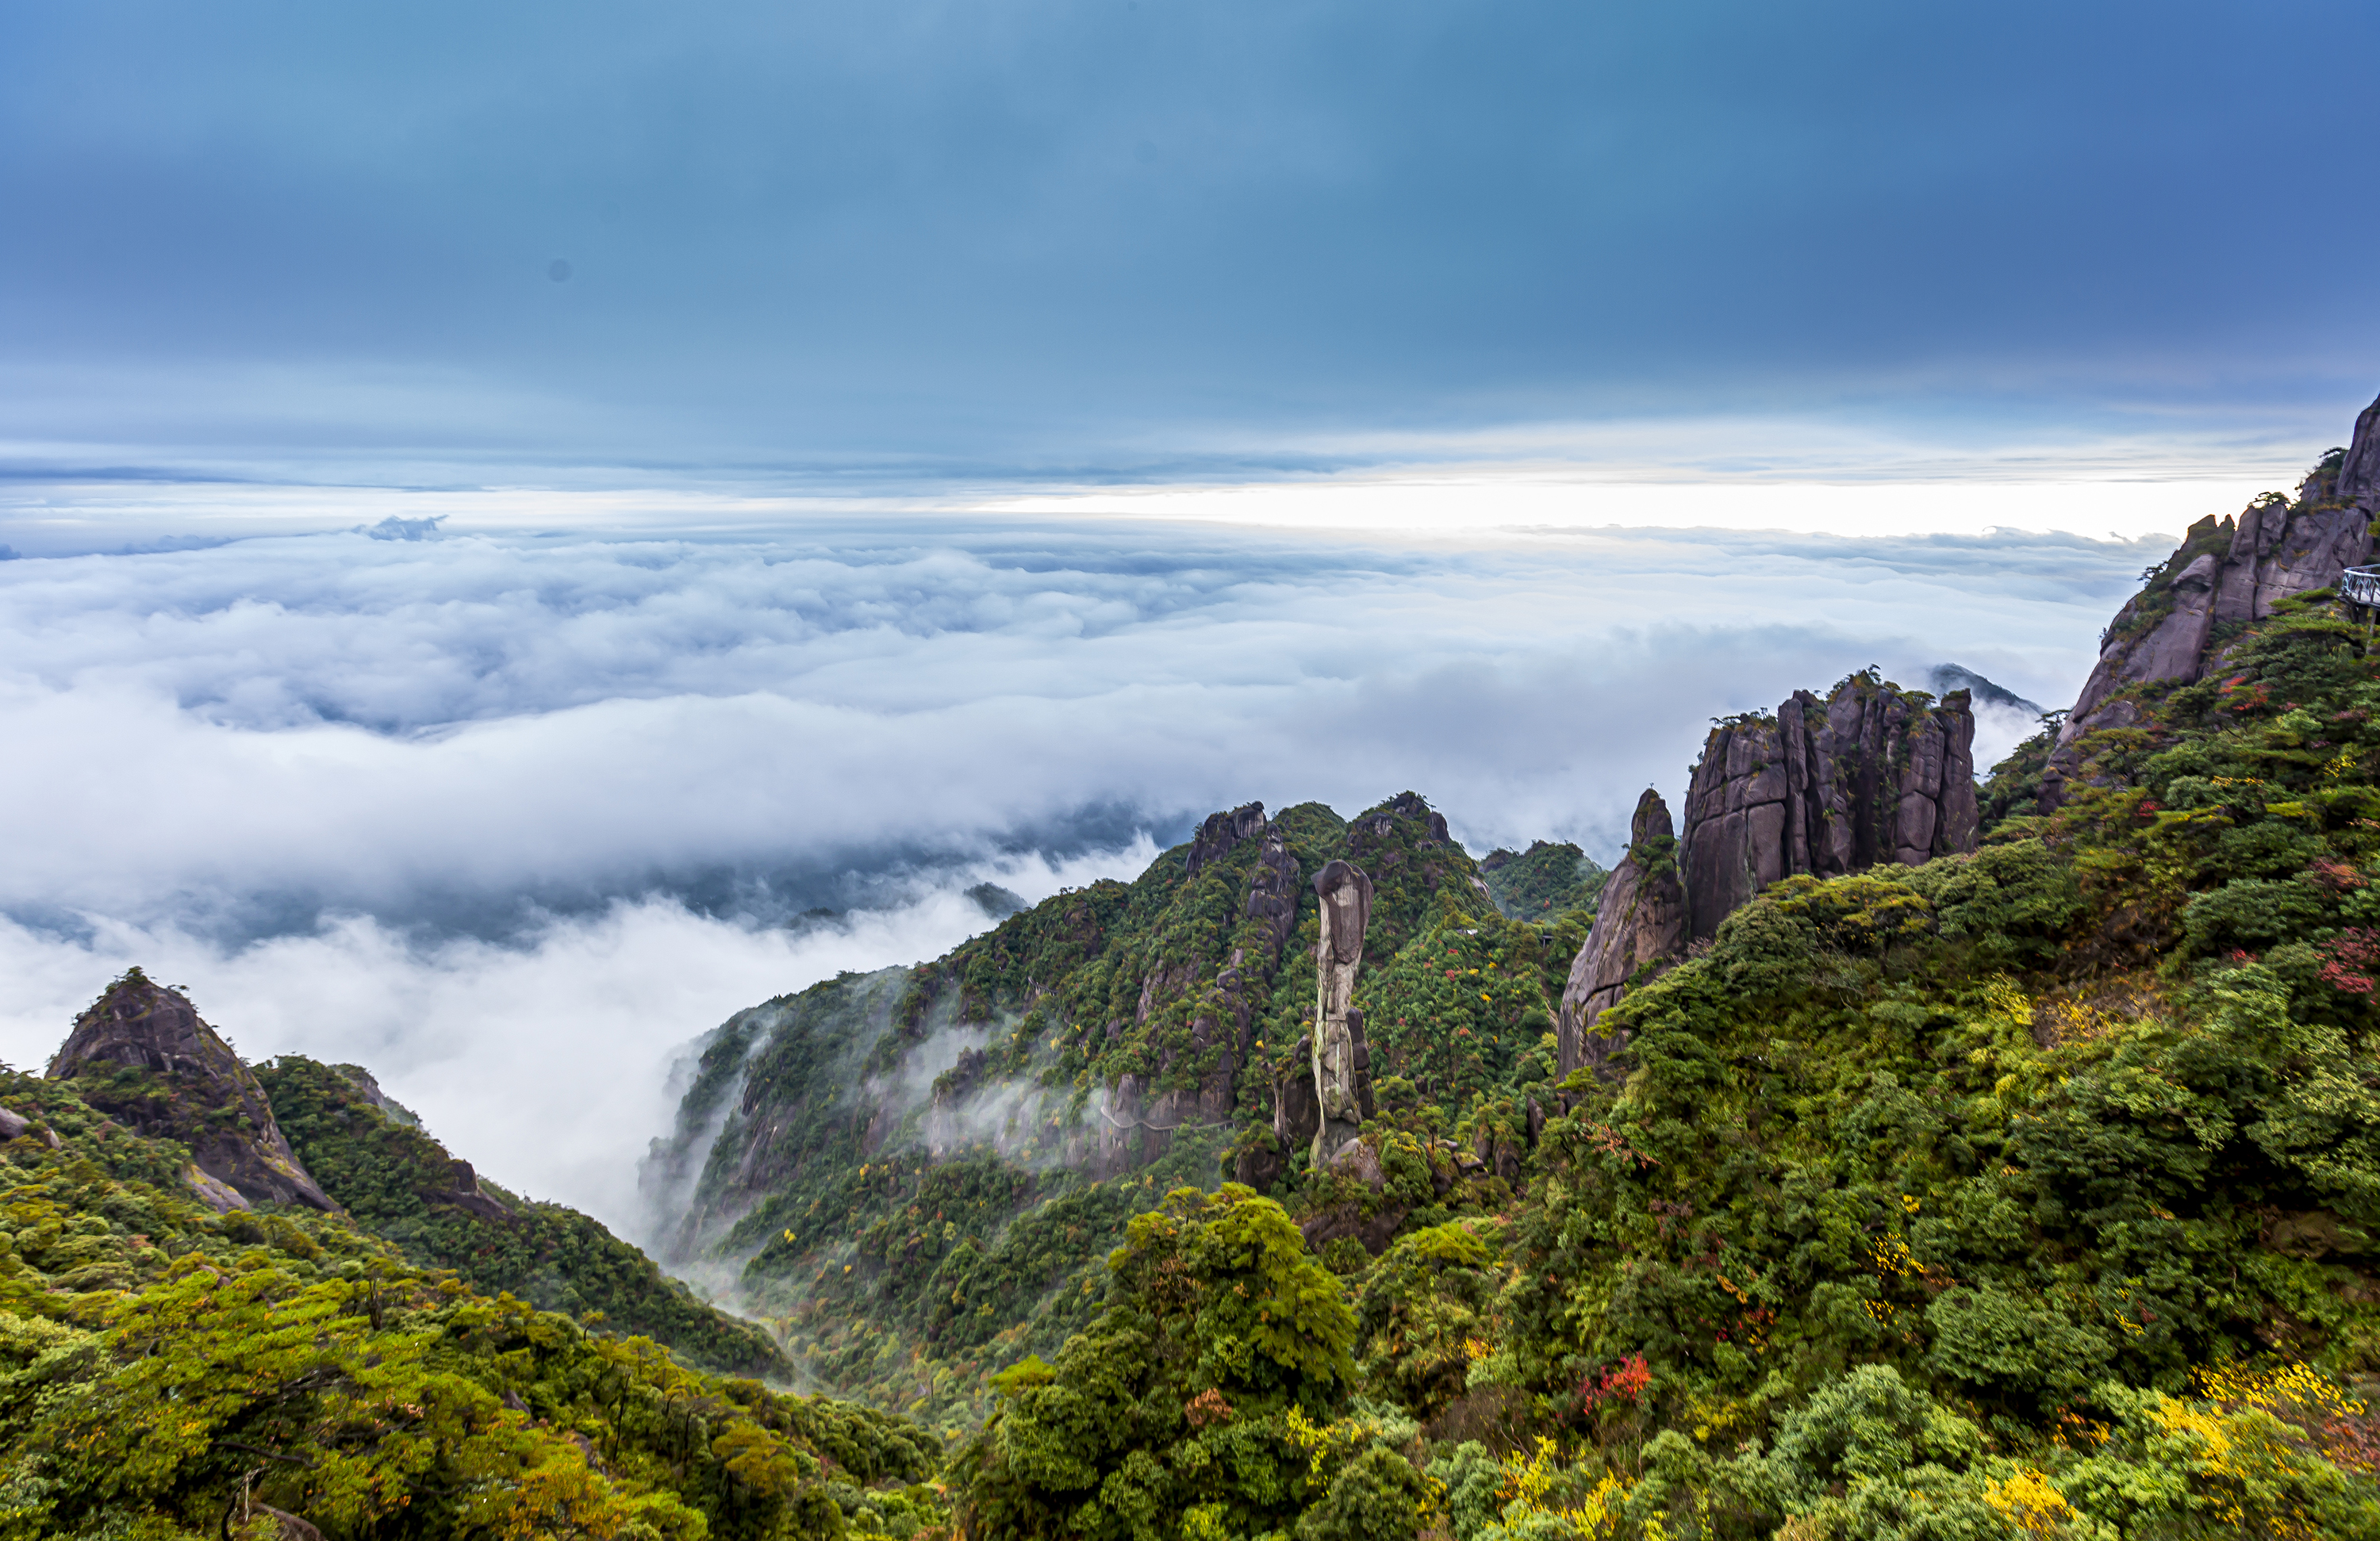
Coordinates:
[2359,468]
[2224,577]
[1640,924]
[1873,773]
[141,1053]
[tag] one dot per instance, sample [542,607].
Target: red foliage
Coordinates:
[2354,1442]
[1623,1382]
[2350,960]
[2336,876]
[2247,699]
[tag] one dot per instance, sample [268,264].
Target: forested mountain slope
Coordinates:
[179,1360]
[920,1173]
[2028,1189]
[1547,880]
[400,1184]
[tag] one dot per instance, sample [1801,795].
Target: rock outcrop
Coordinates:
[367,1086]
[1221,833]
[465,1193]
[2223,577]
[1272,894]
[192,1088]
[1642,921]
[1342,1083]
[1871,774]
[2359,468]
[1296,1112]
[1372,838]
[1139,1119]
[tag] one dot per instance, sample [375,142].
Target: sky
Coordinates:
[513,506]
[925,240]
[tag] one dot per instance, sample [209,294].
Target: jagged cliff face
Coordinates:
[143,1055]
[2359,468]
[1870,774]
[1642,922]
[1223,1002]
[2222,578]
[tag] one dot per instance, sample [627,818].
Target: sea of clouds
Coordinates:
[509,818]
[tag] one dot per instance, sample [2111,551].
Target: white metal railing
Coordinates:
[2360,586]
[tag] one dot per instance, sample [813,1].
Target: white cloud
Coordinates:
[1487,499]
[544,1061]
[495,814]
[355,724]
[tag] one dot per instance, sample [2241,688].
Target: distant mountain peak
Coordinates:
[1947,677]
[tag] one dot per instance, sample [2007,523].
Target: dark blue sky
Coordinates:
[1138,236]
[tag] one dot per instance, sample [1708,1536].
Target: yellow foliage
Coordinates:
[1528,1480]
[2027,1502]
[2299,1389]
[2251,1464]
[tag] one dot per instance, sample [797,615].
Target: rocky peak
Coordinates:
[1404,845]
[1221,833]
[2359,468]
[1650,825]
[1871,774]
[1642,921]
[1227,992]
[192,1088]
[1381,822]
[2221,579]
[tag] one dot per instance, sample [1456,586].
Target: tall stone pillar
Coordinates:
[1642,919]
[1341,1079]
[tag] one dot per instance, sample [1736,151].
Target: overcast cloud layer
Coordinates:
[1063,239]
[355,722]
[463,807]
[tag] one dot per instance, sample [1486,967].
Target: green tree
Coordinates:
[1223,1338]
